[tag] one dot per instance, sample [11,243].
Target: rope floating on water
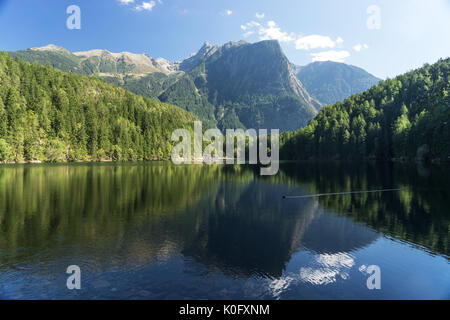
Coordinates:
[339,193]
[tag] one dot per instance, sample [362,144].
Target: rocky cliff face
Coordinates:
[245,85]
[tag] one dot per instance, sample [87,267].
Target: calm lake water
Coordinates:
[160,231]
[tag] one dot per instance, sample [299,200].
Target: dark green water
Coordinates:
[159,231]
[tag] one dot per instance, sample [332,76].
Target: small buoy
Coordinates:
[284,197]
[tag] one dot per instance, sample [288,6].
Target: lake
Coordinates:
[159,231]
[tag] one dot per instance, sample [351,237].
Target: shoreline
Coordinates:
[195,161]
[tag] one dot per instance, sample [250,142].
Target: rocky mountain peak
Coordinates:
[52,48]
[193,60]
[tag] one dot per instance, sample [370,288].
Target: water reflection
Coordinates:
[419,213]
[221,231]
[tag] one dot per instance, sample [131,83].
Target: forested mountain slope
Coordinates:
[243,85]
[48,115]
[407,116]
[331,82]
[95,62]
[237,85]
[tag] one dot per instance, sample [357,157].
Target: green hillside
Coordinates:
[60,59]
[237,85]
[404,117]
[95,62]
[48,115]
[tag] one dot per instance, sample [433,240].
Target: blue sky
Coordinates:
[385,37]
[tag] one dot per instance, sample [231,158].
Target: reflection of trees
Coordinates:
[419,213]
[201,211]
[227,218]
[223,217]
[83,202]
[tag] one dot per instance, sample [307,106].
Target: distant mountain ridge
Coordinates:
[243,85]
[331,82]
[237,85]
[96,62]
[401,118]
[196,58]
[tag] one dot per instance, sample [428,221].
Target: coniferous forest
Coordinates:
[405,117]
[306,159]
[47,115]
[52,116]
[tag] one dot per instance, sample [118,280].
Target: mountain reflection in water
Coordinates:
[159,231]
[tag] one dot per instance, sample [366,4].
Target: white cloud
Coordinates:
[360,47]
[147,6]
[336,56]
[260,15]
[144,6]
[273,32]
[278,286]
[316,41]
[227,12]
[250,25]
[328,269]
[323,269]
[337,260]
[269,32]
